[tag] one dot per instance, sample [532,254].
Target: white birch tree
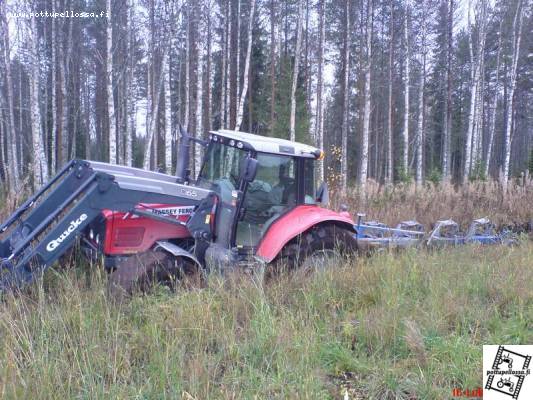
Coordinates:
[476,61]
[11,155]
[199,89]
[187,98]
[238,56]
[39,161]
[319,135]
[407,88]
[109,87]
[494,106]
[389,173]
[227,101]
[168,117]
[446,170]
[345,98]
[419,139]
[223,41]
[53,142]
[517,37]
[296,66]
[152,126]
[363,171]
[130,99]
[240,108]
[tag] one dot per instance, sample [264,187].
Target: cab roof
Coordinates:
[265,144]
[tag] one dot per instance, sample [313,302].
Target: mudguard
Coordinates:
[295,222]
[177,251]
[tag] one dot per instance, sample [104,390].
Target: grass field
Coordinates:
[406,326]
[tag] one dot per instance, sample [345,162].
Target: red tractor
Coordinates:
[253,204]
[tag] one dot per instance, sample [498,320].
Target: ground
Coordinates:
[407,325]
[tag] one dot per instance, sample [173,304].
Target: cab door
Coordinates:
[273,192]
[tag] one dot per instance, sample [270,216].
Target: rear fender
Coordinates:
[177,251]
[295,222]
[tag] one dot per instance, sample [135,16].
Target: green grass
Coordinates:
[407,325]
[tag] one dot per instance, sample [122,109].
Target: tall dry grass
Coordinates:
[512,206]
[393,326]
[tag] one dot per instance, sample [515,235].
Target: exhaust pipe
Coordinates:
[182,161]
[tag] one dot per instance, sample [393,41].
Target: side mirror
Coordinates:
[322,194]
[249,169]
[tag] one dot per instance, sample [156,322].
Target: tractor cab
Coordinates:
[257,179]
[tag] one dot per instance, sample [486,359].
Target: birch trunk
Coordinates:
[295,72]
[467,167]
[150,134]
[228,76]
[88,116]
[53,144]
[406,79]
[199,91]
[68,142]
[494,104]
[345,98]
[109,87]
[389,170]
[62,138]
[420,130]
[478,126]
[421,115]
[479,78]
[12,156]
[223,68]
[517,37]
[20,133]
[244,92]
[208,74]
[187,69]
[39,162]
[363,172]
[130,100]
[238,57]
[319,136]
[273,59]
[3,164]
[168,118]
[446,170]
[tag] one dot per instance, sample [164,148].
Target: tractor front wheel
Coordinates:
[145,270]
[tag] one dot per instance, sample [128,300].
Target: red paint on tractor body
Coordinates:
[293,223]
[127,233]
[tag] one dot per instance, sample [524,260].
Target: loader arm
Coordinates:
[50,221]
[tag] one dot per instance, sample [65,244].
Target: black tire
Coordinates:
[141,272]
[320,242]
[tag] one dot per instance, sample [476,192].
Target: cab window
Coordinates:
[273,191]
[309,181]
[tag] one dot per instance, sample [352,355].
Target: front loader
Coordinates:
[253,204]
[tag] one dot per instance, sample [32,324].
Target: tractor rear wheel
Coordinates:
[316,249]
[145,270]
